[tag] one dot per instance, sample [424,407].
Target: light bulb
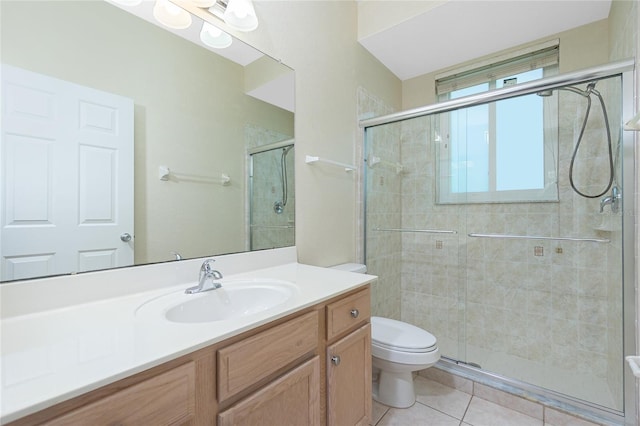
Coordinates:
[171,15]
[241,15]
[214,37]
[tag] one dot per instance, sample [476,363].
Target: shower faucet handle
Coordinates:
[613,200]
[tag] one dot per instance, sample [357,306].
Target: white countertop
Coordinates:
[51,356]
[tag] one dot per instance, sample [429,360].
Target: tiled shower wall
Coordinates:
[555,303]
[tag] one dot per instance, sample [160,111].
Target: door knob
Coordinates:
[126,237]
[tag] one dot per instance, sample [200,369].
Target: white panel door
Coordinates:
[66,166]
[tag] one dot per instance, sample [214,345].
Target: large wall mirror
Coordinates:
[127,143]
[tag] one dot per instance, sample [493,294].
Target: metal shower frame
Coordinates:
[624,69]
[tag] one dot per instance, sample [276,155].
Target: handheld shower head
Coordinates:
[591,88]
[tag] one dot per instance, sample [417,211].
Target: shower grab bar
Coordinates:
[534,237]
[425,231]
[373,161]
[273,226]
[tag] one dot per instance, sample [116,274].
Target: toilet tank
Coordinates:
[351,267]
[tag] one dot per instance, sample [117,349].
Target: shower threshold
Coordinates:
[545,397]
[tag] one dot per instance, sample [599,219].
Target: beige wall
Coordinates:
[581,47]
[184,117]
[318,39]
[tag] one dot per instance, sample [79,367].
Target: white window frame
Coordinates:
[491,73]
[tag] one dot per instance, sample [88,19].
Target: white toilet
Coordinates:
[398,349]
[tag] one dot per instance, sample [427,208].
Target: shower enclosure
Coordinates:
[502,223]
[271,196]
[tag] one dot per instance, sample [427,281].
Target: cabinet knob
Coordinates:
[355,313]
[335,360]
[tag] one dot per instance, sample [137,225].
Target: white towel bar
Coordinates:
[311,159]
[164,173]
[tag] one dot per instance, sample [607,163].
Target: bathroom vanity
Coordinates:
[307,361]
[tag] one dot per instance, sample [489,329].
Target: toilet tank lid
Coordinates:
[390,333]
[351,267]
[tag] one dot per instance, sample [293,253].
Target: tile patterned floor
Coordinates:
[440,405]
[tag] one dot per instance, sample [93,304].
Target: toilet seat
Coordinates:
[399,336]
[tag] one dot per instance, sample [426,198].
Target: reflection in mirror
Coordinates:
[272,213]
[116,135]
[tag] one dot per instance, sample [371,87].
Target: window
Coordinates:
[501,151]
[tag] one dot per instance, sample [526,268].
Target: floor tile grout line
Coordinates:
[466,410]
[442,412]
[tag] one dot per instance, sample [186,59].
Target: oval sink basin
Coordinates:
[235,299]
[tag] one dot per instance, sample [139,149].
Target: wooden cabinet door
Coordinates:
[349,379]
[291,400]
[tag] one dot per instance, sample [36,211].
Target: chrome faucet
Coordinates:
[613,200]
[206,279]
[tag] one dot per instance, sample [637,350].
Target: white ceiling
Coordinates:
[461,30]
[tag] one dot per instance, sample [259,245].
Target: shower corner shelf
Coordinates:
[312,159]
[634,363]
[633,124]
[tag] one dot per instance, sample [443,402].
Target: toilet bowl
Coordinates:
[398,349]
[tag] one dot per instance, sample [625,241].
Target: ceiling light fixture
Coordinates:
[214,37]
[238,14]
[241,15]
[171,15]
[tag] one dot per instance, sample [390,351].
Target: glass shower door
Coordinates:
[543,286]
[519,276]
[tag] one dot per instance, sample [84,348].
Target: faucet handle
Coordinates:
[206,267]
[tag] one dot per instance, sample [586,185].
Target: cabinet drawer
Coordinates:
[251,360]
[166,399]
[293,399]
[348,313]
